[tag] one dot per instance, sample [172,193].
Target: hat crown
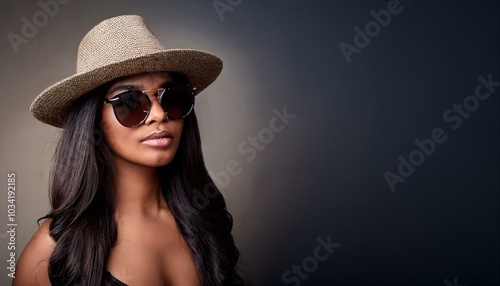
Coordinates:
[115,40]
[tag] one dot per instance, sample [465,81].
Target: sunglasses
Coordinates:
[132,107]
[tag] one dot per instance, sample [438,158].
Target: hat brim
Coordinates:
[53,105]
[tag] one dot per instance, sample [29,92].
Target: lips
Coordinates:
[158,135]
[158,139]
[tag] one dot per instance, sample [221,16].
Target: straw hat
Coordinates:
[118,47]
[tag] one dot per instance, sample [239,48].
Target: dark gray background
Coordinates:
[323,174]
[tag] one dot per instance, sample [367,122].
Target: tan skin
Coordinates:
[150,249]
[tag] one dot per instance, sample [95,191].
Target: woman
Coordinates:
[131,200]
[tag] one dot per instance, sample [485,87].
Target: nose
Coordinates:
[156,114]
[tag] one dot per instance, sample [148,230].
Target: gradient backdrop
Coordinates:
[320,179]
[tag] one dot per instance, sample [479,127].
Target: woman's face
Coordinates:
[131,144]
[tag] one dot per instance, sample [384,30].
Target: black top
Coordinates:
[109,280]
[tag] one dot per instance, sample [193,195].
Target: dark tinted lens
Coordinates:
[131,108]
[177,101]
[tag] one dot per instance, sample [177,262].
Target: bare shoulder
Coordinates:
[32,267]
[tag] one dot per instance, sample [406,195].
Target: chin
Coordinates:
[158,162]
[162,164]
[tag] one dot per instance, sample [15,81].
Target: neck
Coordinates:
[137,189]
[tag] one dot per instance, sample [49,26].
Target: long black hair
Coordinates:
[82,201]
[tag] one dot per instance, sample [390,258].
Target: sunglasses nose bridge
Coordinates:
[159,94]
